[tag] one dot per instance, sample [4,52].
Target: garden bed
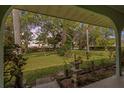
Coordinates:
[88,76]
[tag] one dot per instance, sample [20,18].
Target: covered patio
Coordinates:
[105,16]
[111,82]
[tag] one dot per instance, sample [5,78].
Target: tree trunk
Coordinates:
[16,26]
[19,81]
[63,37]
[26,46]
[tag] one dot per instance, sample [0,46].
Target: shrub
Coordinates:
[61,51]
[13,63]
[33,75]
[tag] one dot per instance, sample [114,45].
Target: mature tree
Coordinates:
[100,36]
[17,37]
[27,23]
[26,37]
[13,57]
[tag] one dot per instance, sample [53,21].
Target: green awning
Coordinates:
[74,13]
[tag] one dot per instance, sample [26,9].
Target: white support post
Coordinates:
[16,26]
[118,54]
[87,38]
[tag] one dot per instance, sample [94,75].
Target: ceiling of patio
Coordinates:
[119,8]
[114,12]
[74,13]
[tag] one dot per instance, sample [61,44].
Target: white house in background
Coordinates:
[35,44]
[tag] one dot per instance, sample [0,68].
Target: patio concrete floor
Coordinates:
[111,82]
[52,84]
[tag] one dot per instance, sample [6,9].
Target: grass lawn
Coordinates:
[38,60]
[39,65]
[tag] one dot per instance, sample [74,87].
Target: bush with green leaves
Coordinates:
[13,63]
[66,47]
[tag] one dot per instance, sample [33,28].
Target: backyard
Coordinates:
[46,49]
[39,60]
[44,64]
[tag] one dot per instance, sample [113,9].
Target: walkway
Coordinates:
[52,84]
[112,82]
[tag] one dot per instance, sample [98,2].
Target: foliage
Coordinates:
[39,66]
[32,75]
[66,47]
[63,35]
[48,29]
[38,60]
[13,63]
[100,36]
